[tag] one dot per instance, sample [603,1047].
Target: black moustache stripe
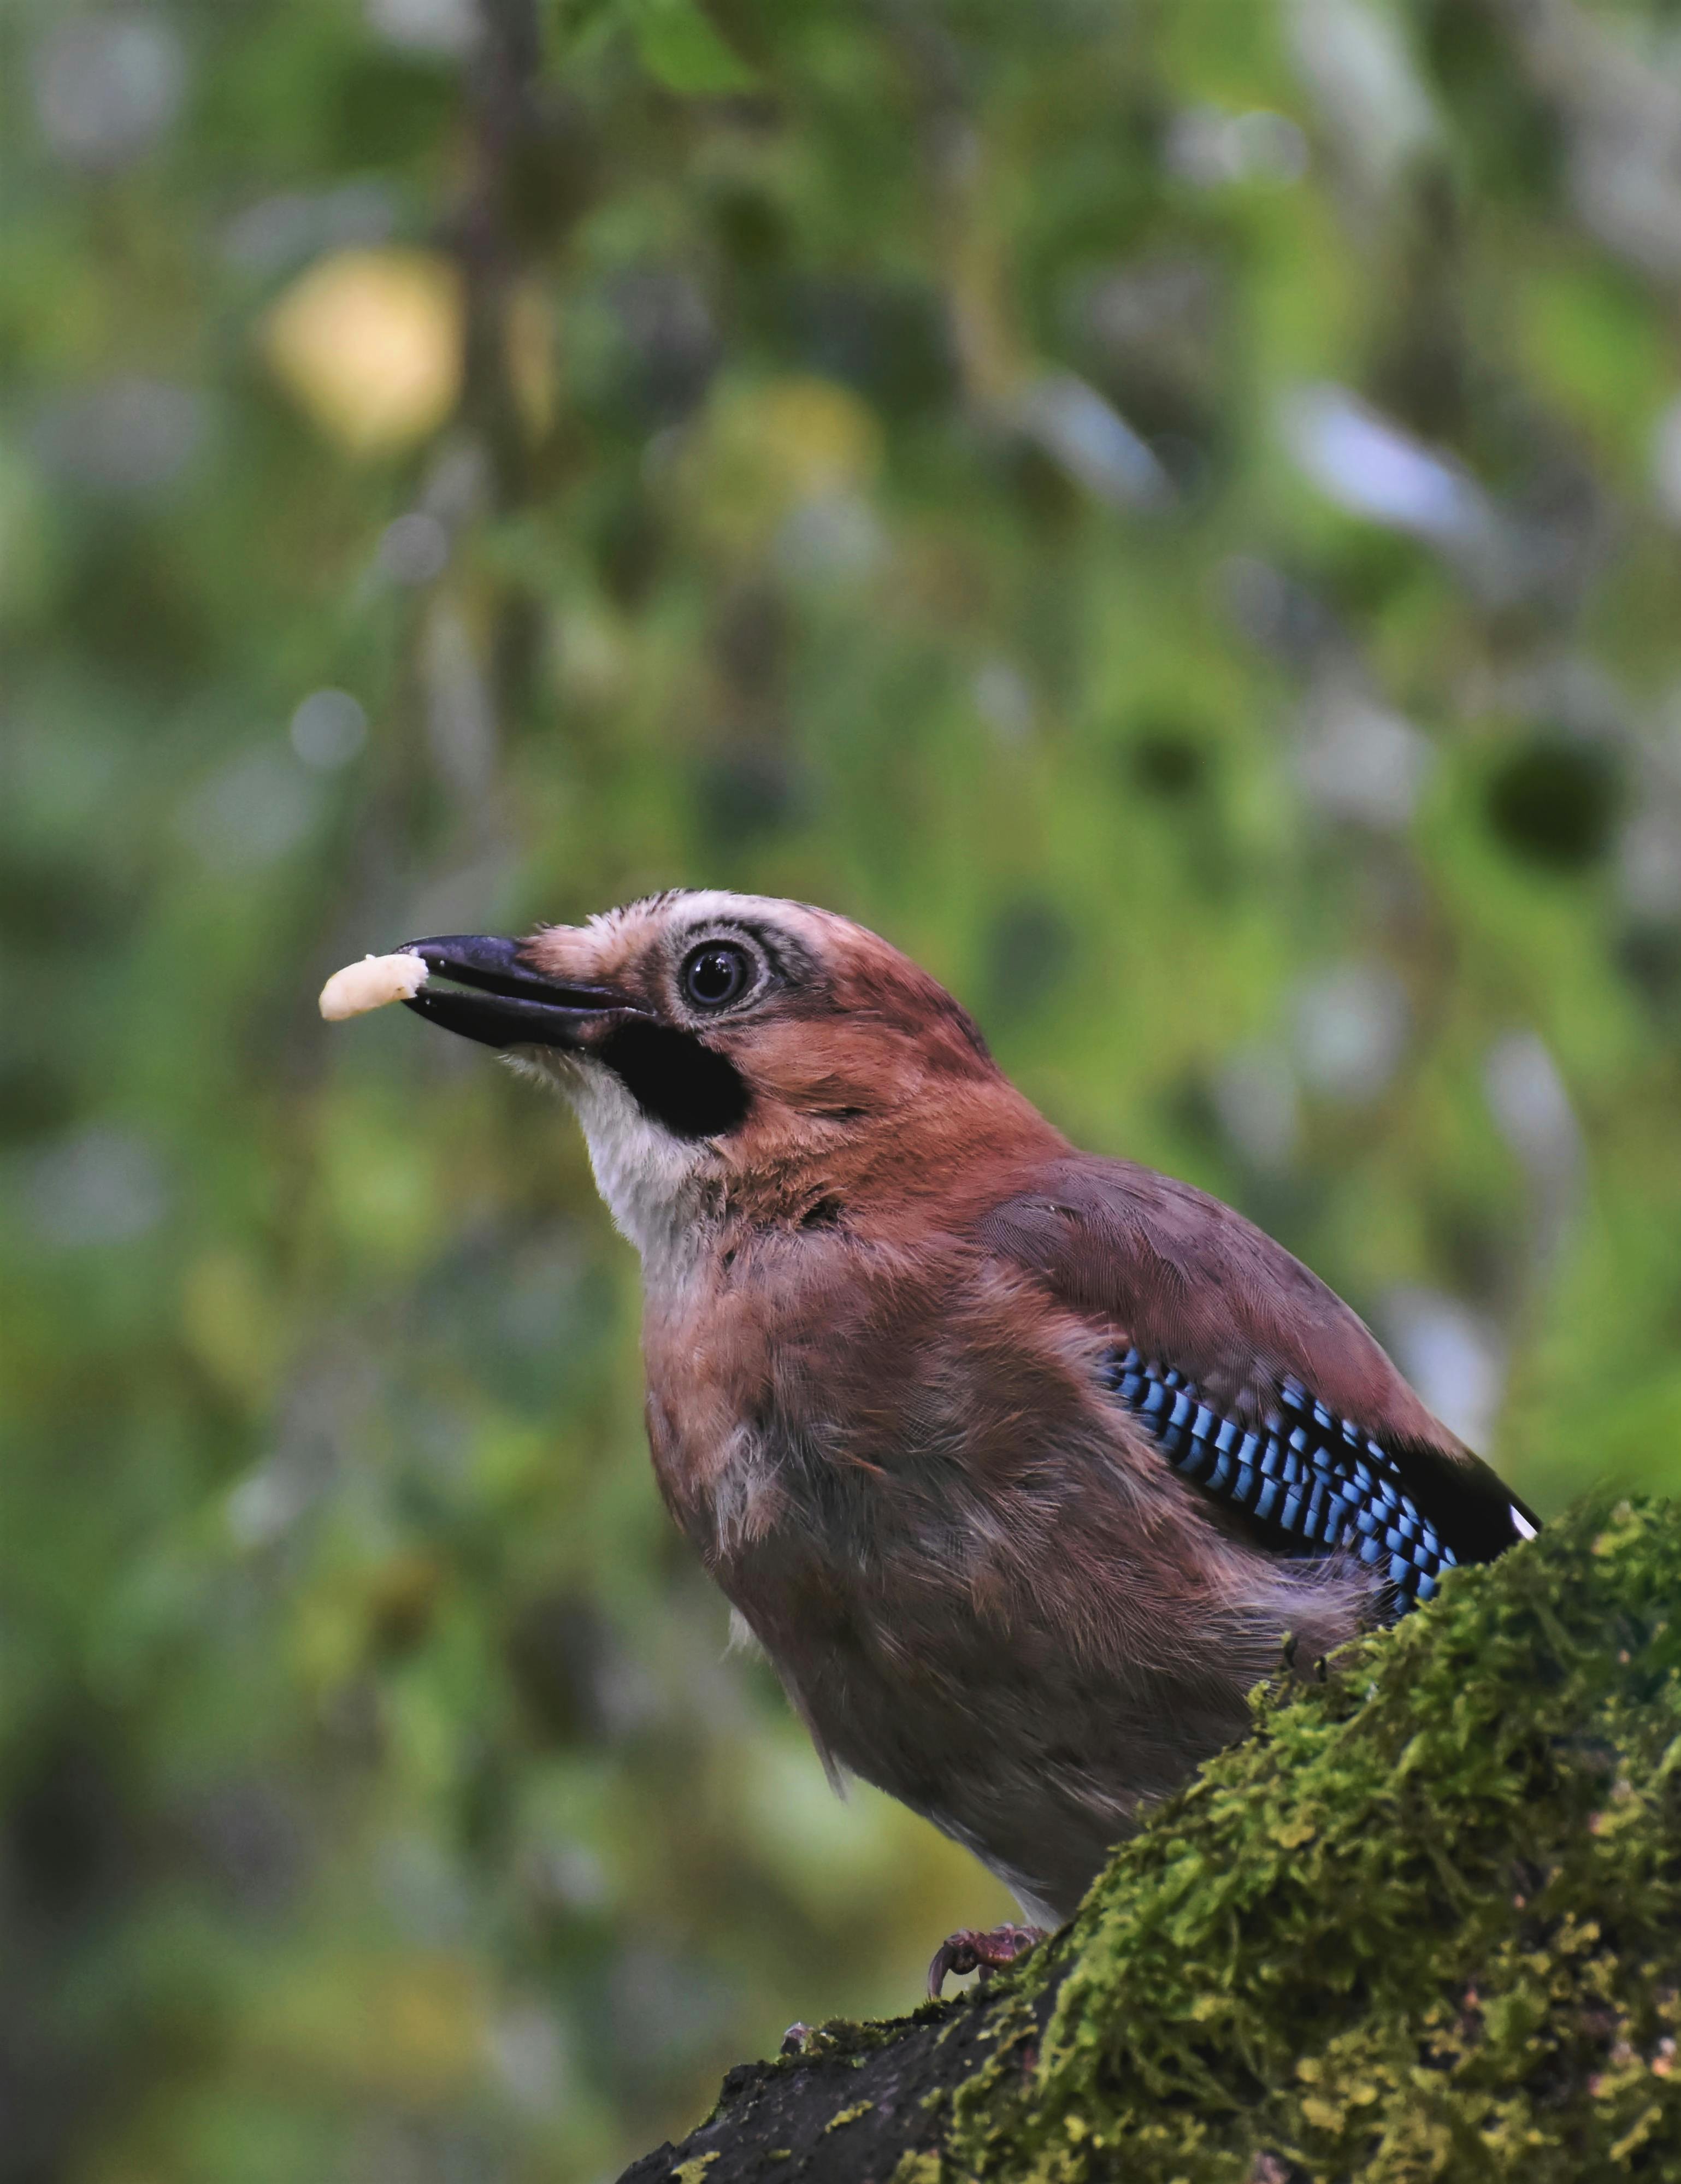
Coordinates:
[677,1080]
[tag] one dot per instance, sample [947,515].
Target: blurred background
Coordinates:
[1170,510]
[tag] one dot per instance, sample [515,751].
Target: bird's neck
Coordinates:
[690,1207]
[878,1172]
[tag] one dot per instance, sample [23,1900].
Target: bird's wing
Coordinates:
[1257,1383]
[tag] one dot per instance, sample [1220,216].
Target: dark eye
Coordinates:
[716,974]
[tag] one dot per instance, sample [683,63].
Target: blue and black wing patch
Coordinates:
[1307,1480]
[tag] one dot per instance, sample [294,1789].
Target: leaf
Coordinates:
[681,47]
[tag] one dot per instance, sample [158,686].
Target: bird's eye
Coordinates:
[715,975]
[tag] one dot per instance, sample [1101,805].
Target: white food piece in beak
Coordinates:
[373,984]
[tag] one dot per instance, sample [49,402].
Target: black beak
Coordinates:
[510,1005]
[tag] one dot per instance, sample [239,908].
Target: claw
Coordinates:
[984,1951]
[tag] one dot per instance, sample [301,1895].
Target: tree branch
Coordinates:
[1425,1921]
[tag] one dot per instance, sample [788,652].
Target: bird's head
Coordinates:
[718,1045]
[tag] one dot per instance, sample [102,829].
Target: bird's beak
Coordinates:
[510,1005]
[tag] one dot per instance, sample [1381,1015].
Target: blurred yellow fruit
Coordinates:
[818,436]
[767,447]
[368,342]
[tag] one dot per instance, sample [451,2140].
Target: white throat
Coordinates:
[651,1181]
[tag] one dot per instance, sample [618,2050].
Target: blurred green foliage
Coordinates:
[1169,511]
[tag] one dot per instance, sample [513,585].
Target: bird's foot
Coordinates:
[976,1952]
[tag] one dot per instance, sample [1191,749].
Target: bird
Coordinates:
[1023,1465]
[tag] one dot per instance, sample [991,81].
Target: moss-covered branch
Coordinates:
[1424,1923]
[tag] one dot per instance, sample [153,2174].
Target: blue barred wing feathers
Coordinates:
[1261,1389]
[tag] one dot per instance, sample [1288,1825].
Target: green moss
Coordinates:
[1426,1923]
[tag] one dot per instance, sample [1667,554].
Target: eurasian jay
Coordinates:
[1022,1464]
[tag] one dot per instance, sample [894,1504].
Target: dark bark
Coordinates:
[846,2107]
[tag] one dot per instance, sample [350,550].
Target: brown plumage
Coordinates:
[901,1339]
